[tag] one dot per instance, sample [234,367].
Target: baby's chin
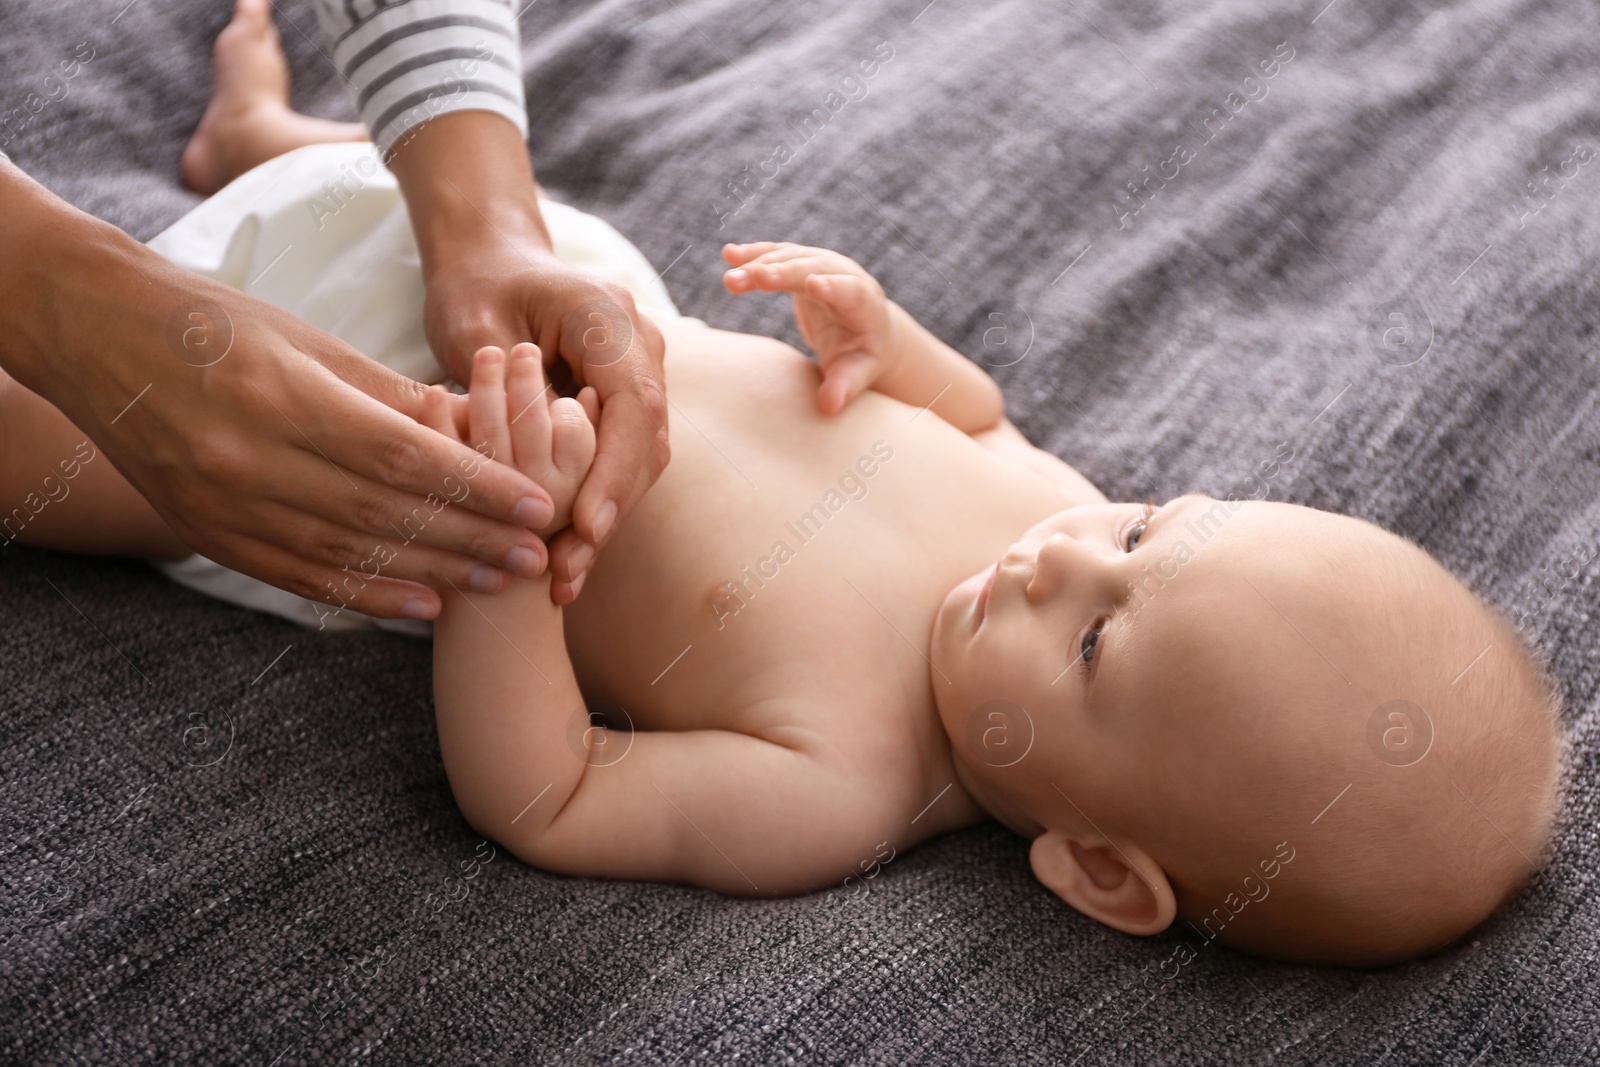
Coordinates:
[954,622]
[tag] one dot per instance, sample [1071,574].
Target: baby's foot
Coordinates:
[250,93]
[516,418]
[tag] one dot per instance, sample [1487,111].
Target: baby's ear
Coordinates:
[1117,884]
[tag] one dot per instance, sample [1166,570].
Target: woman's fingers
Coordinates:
[409,459]
[305,484]
[632,447]
[362,417]
[565,578]
[400,554]
[345,569]
[591,403]
[340,589]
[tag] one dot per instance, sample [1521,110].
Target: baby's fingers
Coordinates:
[738,255]
[486,404]
[783,276]
[771,252]
[848,296]
[843,379]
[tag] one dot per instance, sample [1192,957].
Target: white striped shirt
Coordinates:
[412,60]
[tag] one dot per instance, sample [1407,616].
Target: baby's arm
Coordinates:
[723,810]
[864,340]
[925,368]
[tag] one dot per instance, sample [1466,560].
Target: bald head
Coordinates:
[1381,750]
[1290,730]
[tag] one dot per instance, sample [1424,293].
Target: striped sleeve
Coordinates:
[413,60]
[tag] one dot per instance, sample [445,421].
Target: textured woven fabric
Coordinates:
[227,840]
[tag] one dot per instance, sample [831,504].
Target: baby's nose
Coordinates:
[1063,564]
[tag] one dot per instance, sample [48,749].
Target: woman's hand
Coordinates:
[492,280]
[839,307]
[264,443]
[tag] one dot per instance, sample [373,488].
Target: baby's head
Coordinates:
[1288,730]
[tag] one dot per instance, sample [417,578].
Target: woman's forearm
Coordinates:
[125,345]
[440,88]
[63,275]
[468,183]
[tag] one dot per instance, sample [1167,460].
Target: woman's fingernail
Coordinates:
[525,561]
[578,585]
[533,513]
[604,519]
[417,609]
[486,579]
[580,559]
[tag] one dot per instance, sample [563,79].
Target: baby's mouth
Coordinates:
[983,594]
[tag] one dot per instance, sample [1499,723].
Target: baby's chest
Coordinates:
[784,552]
[832,611]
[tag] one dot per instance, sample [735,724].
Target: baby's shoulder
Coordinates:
[1006,440]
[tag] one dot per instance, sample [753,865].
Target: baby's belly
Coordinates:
[783,550]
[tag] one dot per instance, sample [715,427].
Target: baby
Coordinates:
[859,610]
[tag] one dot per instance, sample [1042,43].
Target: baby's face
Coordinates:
[1064,674]
[1166,700]
[1027,654]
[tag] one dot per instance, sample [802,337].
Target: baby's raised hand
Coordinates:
[840,308]
[512,415]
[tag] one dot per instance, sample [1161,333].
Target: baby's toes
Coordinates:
[438,412]
[572,439]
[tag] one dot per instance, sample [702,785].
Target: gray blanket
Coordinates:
[1359,240]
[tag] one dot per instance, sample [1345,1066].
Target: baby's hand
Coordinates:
[511,414]
[840,308]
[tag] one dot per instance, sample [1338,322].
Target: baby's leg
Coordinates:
[249,120]
[57,490]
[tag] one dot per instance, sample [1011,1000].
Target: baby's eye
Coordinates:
[1135,532]
[1091,639]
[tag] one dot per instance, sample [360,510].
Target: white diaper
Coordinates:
[322,232]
